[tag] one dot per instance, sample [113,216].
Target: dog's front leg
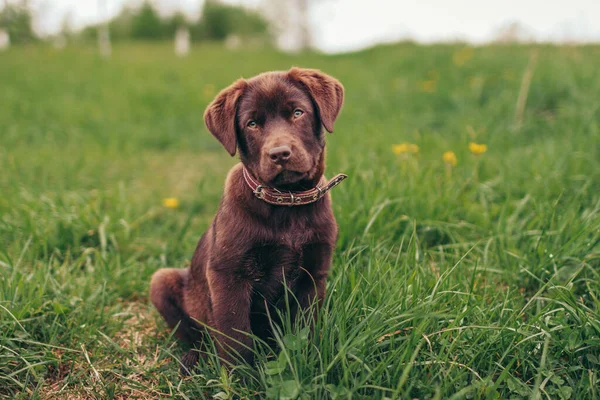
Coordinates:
[316,262]
[231,301]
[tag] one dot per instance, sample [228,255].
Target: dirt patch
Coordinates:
[126,372]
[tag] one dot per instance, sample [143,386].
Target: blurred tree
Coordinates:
[15,18]
[173,23]
[66,26]
[104,44]
[513,32]
[305,38]
[121,26]
[291,22]
[146,24]
[220,20]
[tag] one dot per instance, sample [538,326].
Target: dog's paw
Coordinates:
[189,362]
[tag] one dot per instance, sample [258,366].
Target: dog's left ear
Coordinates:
[219,116]
[326,91]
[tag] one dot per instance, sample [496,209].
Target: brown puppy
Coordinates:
[274,223]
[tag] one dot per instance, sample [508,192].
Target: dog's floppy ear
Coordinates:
[326,91]
[219,116]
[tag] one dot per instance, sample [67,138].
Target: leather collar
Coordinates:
[276,197]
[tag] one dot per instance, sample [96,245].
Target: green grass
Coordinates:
[481,283]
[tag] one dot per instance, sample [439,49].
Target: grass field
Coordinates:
[475,281]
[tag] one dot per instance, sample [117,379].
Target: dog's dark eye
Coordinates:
[252,124]
[298,113]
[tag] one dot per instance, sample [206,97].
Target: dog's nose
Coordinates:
[280,154]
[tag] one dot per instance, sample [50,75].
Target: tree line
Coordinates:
[217,22]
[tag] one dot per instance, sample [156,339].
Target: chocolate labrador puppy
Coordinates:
[274,225]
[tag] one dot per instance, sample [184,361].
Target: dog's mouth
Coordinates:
[294,175]
[287,177]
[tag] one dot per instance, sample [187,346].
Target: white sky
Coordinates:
[342,25]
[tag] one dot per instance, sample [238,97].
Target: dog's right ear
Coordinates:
[219,116]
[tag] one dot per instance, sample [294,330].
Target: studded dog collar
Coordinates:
[276,197]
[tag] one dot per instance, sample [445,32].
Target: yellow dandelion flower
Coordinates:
[171,202]
[429,86]
[477,148]
[461,57]
[450,158]
[405,148]
[399,148]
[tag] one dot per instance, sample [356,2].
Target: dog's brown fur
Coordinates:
[237,272]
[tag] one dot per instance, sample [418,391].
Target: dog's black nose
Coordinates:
[280,154]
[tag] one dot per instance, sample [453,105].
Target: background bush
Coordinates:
[217,22]
[16,20]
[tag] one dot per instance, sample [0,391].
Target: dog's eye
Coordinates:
[252,124]
[298,112]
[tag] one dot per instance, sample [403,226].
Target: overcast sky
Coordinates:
[342,25]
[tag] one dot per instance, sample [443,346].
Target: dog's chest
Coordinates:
[271,261]
[282,249]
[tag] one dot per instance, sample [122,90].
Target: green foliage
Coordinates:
[146,23]
[174,22]
[217,23]
[142,23]
[477,281]
[16,20]
[219,20]
[121,27]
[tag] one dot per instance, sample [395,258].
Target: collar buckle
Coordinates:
[258,192]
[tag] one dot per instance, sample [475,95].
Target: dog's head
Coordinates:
[276,121]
